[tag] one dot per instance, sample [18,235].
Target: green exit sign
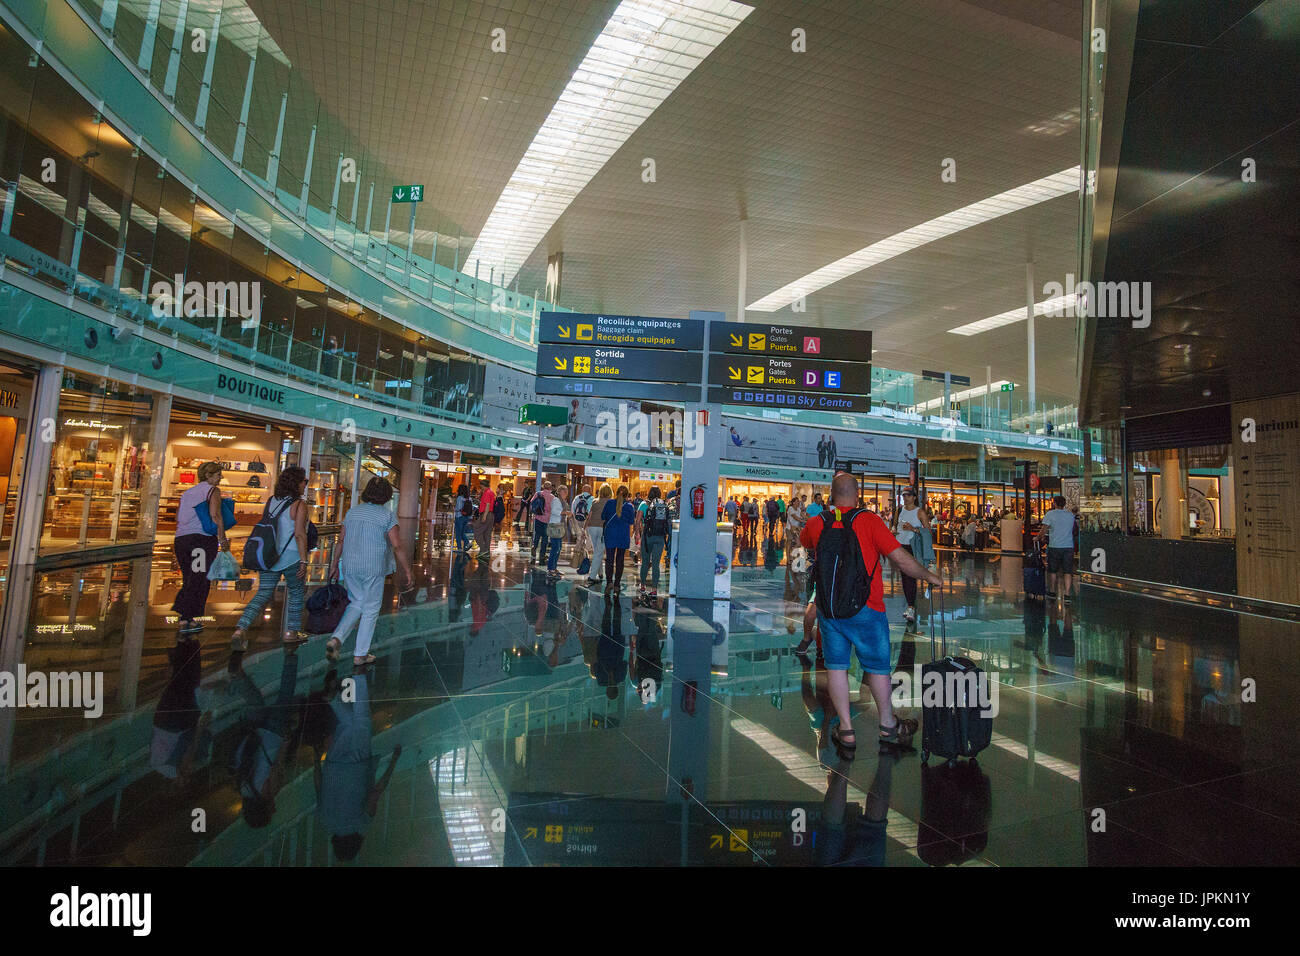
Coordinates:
[408,194]
[535,414]
[1009,387]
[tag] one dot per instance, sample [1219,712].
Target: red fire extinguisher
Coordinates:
[697,501]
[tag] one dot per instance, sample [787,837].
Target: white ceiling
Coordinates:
[824,152]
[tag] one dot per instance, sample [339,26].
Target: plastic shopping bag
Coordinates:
[223,568]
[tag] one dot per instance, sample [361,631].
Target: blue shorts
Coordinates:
[867,632]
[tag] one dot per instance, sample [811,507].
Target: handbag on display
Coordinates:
[256,465]
[253,481]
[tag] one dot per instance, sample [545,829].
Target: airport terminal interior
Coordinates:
[439,432]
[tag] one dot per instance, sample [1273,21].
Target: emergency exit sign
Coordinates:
[408,194]
[1008,387]
[537,414]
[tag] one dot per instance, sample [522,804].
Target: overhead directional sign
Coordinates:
[938,377]
[795,401]
[632,331]
[845,345]
[770,371]
[600,362]
[603,388]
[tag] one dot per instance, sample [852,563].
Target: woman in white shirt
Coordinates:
[596,532]
[555,529]
[289,511]
[910,520]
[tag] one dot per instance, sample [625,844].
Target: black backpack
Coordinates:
[539,505]
[261,550]
[843,581]
[498,510]
[657,522]
[467,506]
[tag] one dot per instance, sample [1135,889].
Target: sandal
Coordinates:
[363,661]
[332,648]
[296,637]
[846,748]
[904,727]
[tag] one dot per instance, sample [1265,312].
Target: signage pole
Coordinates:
[698,537]
[541,452]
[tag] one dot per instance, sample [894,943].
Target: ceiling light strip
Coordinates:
[1058,305]
[986,210]
[643,54]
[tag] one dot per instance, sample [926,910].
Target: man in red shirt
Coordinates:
[485,520]
[867,632]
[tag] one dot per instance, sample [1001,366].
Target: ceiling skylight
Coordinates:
[1058,184]
[646,50]
[1061,305]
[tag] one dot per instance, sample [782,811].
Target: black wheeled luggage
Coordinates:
[953,722]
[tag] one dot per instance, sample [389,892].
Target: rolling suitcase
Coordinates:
[954,726]
[956,805]
[1035,576]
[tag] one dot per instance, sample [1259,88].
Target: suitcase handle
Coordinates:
[943,624]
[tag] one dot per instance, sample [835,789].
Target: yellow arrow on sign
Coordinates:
[715,842]
[561,364]
[530,833]
[734,373]
[564,331]
[736,341]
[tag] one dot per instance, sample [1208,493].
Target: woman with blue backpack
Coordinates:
[285,518]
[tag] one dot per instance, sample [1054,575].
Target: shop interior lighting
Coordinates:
[646,50]
[986,210]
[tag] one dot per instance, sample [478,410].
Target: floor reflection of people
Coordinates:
[346,789]
[610,669]
[645,662]
[180,731]
[855,838]
[262,750]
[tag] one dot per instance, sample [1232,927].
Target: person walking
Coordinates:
[841,586]
[654,523]
[486,522]
[540,508]
[559,514]
[288,511]
[596,532]
[463,509]
[1059,530]
[191,539]
[732,509]
[910,521]
[618,515]
[369,549]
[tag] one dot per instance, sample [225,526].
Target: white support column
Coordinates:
[306,174]
[205,89]
[742,281]
[334,199]
[241,135]
[174,59]
[273,161]
[1029,325]
[145,60]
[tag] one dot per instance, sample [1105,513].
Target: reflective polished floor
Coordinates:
[519,721]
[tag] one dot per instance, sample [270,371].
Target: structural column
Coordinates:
[1029,325]
[408,498]
[137,611]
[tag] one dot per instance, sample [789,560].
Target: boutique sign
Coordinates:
[250,389]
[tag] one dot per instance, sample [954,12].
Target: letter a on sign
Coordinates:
[812,345]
